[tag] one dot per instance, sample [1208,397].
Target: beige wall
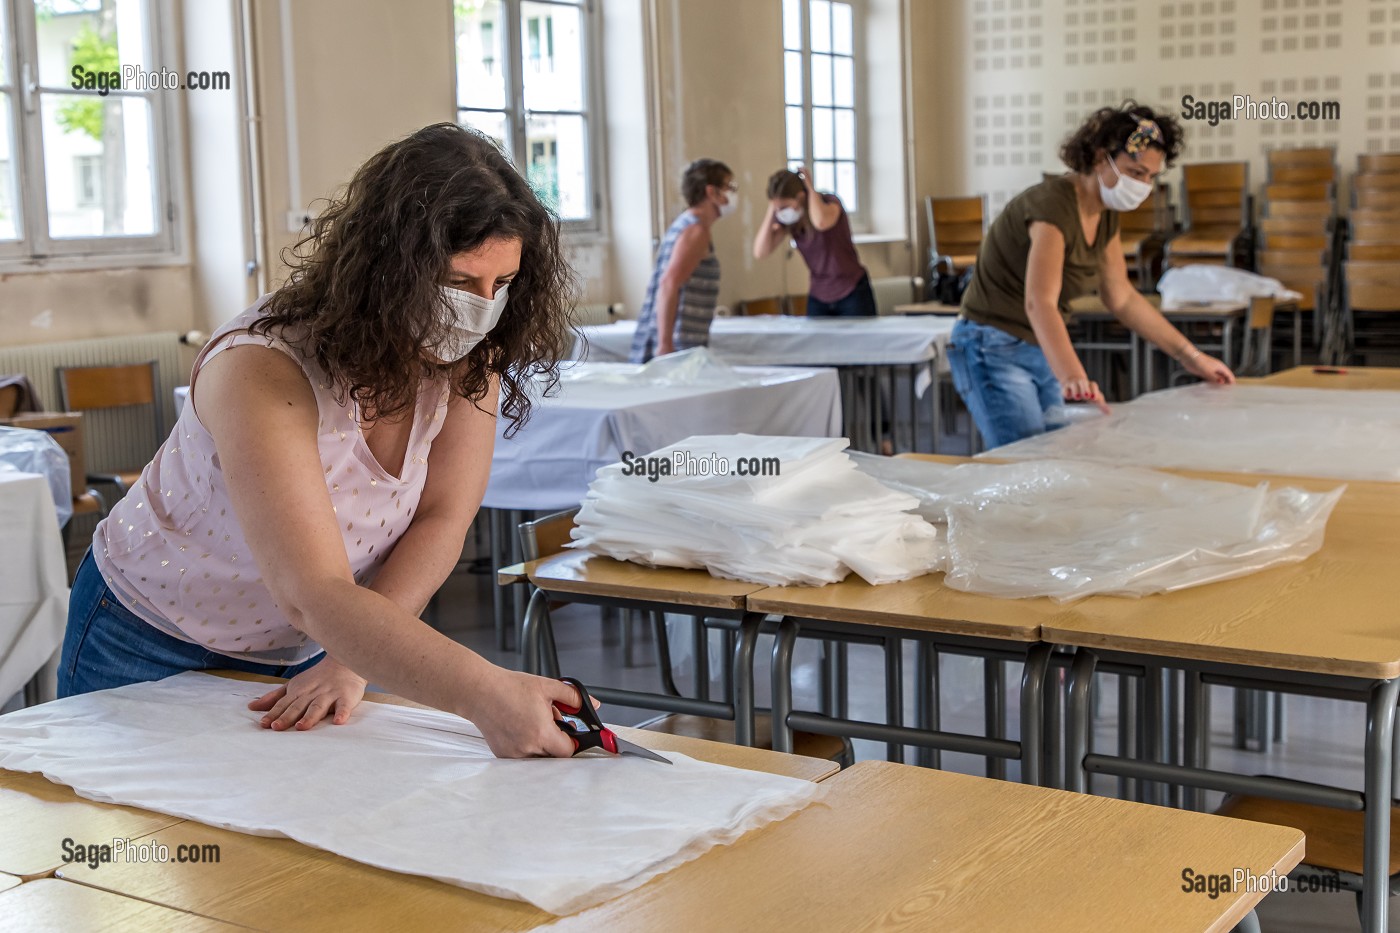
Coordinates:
[44,307]
[1003,81]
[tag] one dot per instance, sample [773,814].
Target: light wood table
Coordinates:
[1353,377]
[52,906]
[928,307]
[576,577]
[924,850]
[889,846]
[1323,627]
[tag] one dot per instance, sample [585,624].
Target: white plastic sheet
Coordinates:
[26,451]
[813,523]
[33,580]
[694,367]
[409,790]
[1067,530]
[1202,284]
[1332,433]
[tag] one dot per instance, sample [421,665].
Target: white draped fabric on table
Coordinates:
[597,414]
[778,340]
[33,580]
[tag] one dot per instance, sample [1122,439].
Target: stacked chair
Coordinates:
[1364,316]
[1217,216]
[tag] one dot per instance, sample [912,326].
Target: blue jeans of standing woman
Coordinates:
[1005,383]
[107,645]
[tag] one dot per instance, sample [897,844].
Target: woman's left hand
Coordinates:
[306,699]
[1210,369]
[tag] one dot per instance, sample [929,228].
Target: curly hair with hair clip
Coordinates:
[1111,129]
[364,297]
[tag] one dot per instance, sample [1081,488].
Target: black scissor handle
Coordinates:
[582,724]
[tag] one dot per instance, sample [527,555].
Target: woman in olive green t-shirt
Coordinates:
[1010,352]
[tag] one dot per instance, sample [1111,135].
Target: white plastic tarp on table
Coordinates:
[780,340]
[604,409]
[409,790]
[1069,529]
[33,579]
[1334,433]
[813,522]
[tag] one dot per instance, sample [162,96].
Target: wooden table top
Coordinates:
[1355,377]
[923,849]
[928,307]
[891,845]
[587,574]
[52,906]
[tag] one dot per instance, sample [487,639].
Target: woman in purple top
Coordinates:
[817,223]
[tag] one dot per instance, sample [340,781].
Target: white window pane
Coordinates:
[492,124]
[795,142]
[99,37]
[820,11]
[795,164]
[842,40]
[556,164]
[823,133]
[846,185]
[481,55]
[792,24]
[843,79]
[9,201]
[99,166]
[551,48]
[821,80]
[845,134]
[792,77]
[824,176]
[4,45]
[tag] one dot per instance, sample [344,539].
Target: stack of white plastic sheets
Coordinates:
[772,510]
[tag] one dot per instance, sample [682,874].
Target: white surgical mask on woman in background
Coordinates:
[1127,195]
[472,319]
[787,216]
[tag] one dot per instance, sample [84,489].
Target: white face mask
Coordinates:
[731,205]
[472,319]
[787,216]
[1127,195]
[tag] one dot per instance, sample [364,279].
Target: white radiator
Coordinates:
[114,438]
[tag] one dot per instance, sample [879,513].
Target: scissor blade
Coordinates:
[625,747]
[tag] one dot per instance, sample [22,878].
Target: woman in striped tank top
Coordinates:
[318,485]
[684,287]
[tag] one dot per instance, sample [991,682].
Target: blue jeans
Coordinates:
[859,303]
[1005,382]
[107,645]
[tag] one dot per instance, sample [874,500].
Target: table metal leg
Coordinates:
[841,695]
[926,705]
[742,678]
[1152,730]
[536,617]
[894,692]
[783,643]
[700,645]
[1052,719]
[936,390]
[1077,726]
[663,652]
[1033,677]
[1195,733]
[994,711]
[1248,924]
[1380,742]
[1127,732]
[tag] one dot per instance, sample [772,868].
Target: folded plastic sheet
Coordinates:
[813,522]
[694,367]
[35,452]
[1067,530]
[408,790]
[1250,429]
[1203,284]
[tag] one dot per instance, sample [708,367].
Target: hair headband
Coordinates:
[1148,133]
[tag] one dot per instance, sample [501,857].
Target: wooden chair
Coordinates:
[1371,288]
[1143,233]
[1375,231]
[955,230]
[760,306]
[797,305]
[1390,181]
[1217,214]
[1291,210]
[94,388]
[1297,237]
[1301,158]
[547,536]
[9,401]
[1300,191]
[1380,163]
[1373,252]
[1385,199]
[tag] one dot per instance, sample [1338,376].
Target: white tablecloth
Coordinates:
[550,463]
[33,580]
[777,340]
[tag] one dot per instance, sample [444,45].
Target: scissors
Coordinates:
[583,726]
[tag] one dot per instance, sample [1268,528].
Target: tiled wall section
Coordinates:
[1033,69]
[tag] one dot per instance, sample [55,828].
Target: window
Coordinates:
[82,173]
[820,93]
[524,78]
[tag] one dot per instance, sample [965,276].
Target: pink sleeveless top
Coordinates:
[172,550]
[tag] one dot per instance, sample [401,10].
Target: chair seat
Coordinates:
[128,478]
[812,745]
[1207,244]
[963,261]
[86,504]
[1334,837]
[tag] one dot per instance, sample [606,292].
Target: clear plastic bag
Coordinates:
[1201,284]
[693,367]
[35,452]
[1067,530]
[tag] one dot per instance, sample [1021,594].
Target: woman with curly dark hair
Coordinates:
[318,486]
[1010,352]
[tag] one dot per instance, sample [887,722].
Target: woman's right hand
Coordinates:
[1084,389]
[516,715]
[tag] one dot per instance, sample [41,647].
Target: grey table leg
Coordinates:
[1249,924]
[1380,750]
[1127,731]
[1077,726]
[894,692]
[1195,734]
[700,644]
[1052,718]
[1153,792]
[1033,677]
[936,388]
[742,678]
[994,711]
[926,705]
[783,644]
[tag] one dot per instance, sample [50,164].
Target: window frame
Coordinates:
[36,249]
[516,114]
[860,218]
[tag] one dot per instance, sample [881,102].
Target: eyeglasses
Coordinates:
[732,188]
